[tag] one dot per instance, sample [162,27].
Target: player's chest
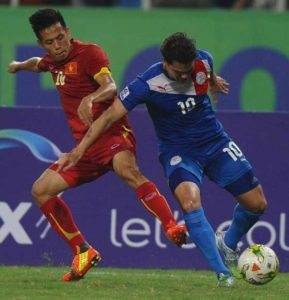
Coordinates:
[68,74]
[180,98]
[172,104]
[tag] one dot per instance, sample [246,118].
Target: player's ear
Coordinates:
[39,42]
[67,29]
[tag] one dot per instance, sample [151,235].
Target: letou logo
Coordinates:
[41,148]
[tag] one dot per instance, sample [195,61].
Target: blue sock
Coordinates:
[242,221]
[203,236]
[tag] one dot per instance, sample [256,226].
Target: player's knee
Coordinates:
[38,192]
[259,207]
[188,196]
[132,176]
[260,203]
[187,206]
[35,190]
[189,203]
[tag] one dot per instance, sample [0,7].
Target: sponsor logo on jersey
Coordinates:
[114,146]
[162,88]
[71,68]
[201,78]
[175,160]
[124,93]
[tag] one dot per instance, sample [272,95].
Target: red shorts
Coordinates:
[97,160]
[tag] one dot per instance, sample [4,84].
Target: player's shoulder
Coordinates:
[47,58]
[153,71]
[46,63]
[204,55]
[86,47]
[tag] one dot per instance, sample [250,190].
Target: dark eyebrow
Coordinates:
[50,40]
[178,71]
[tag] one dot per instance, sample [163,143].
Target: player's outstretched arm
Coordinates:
[30,64]
[218,85]
[100,125]
[107,89]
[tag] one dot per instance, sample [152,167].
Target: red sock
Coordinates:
[61,220]
[156,203]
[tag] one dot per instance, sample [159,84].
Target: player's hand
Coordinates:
[68,160]
[85,110]
[13,67]
[218,85]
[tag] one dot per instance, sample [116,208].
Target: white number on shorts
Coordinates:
[233,150]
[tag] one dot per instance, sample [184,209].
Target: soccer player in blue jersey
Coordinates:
[192,143]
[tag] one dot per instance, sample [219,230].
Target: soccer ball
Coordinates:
[258,264]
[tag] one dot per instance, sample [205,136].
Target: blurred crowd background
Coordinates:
[278,5]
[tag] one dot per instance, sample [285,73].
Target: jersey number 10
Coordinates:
[60,79]
[187,105]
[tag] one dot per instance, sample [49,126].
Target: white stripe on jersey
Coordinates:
[207,66]
[162,84]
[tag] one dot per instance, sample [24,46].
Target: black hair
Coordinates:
[44,18]
[178,47]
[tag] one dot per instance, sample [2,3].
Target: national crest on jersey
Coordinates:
[71,68]
[202,76]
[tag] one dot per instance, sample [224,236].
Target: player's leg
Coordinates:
[251,205]
[231,171]
[45,191]
[185,187]
[125,166]
[246,213]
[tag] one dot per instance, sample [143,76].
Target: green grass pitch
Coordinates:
[27,283]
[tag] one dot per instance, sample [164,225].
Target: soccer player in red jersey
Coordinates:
[82,76]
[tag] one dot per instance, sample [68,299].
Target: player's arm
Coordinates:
[217,85]
[107,89]
[30,64]
[100,125]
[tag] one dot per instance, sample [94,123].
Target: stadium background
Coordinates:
[250,50]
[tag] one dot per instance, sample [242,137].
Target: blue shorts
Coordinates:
[225,167]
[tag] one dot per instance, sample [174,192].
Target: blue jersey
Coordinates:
[182,112]
[190,137]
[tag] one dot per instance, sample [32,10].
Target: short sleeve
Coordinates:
[97,60]
[43,65]
[207,56]
[137,92]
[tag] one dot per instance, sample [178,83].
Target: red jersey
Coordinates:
[74,79]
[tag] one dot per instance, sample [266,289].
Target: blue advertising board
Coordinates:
[107,211]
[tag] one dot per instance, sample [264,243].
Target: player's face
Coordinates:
[179,71]
[56,41]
